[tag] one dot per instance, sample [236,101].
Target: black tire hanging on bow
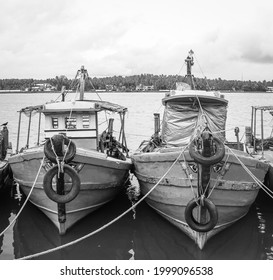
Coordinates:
[74,191]
[58,140]
[217,157]
[195,225]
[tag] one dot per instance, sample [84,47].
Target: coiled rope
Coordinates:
[111,222]
[25,202]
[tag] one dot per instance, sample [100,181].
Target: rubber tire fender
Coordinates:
[193,224]
[75,189]
[217,157]
[51,155]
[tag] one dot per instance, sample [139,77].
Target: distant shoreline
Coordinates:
[102,91]
[97,91]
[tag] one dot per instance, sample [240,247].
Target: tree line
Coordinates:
[130,83]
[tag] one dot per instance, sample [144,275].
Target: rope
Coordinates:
[257,181]
[60,163]
[111,222]
[190,179]
[202,72]
[21,209]
[218,177]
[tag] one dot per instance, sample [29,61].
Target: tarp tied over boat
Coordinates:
[182,121]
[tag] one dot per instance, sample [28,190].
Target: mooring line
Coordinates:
[25,202]
[261,184]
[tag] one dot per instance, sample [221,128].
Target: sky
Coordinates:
[231,39]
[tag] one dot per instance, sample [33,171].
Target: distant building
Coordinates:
[141,87]
[109,87]
[269,89]
[41,87]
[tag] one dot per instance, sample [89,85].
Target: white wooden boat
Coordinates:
[195,181]
[5,151]
[259,138]
[92,167]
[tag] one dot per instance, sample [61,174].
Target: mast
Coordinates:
[189,62]
[83,75]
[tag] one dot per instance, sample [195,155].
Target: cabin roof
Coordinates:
[191,96]
[78,105]
[264,108]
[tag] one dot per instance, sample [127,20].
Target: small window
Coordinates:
[55,123]
[70,123]
[85,121]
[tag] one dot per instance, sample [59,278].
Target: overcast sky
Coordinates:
[231,39]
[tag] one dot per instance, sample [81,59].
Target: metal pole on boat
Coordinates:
[189,62]
[262,132]
[61,206]
[120,127]
[252,113]
[254,140]
[28,133]
[204,175]
[18,133]
[82,82]
[110,126]
[156,124]
[123,135]
[63,93]
[236,130]
[39,127]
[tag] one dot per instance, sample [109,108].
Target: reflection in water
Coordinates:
[162,241]
[147,236]
[34,233]
[264,209]
[8,208]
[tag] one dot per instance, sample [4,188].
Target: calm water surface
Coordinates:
[144,234]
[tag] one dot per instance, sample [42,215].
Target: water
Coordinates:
[141,235]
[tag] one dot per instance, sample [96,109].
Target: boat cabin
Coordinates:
[75,119]
[78,120]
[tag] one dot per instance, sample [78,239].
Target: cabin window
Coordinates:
[55,123]
[85,121]
[70,123]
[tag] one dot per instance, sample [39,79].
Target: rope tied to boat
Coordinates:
[60,169]
[256,180]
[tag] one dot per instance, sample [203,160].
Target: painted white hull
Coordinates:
[101,177]
[232,190]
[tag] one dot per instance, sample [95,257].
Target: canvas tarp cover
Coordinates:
[181,122]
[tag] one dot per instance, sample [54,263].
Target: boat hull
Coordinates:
[5,172]
[102,178]
[231,189]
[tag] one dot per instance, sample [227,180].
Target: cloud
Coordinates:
[48,38]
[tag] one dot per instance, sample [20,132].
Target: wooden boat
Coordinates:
[33,225]
[188,171]
[5,151]
[259,138]
[78,169]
